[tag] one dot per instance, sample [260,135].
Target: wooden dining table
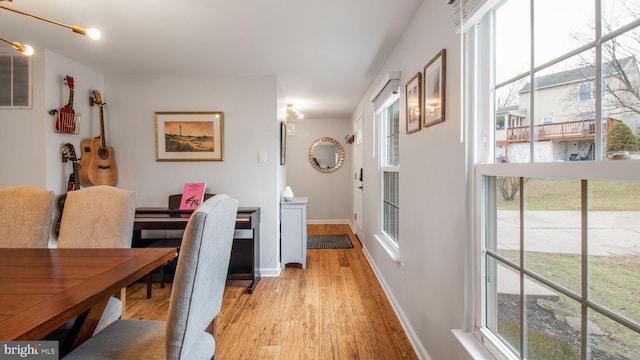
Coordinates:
[42,289]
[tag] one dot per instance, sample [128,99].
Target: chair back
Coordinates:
[198,285]
[97,217]
[26,215]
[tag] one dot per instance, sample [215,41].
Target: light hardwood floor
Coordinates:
[335,309]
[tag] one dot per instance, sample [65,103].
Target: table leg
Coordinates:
[84,326]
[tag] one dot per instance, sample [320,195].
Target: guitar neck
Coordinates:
[103,142]
[70,103]
[76,175]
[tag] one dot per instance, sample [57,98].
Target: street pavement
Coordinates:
[610,233]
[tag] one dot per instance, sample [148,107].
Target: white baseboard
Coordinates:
[330,221]
[270,272]
[397,309]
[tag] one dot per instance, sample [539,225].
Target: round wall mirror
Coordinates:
[326,155]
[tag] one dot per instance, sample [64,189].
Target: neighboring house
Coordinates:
[565,123]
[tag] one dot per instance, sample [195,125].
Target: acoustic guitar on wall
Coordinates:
[97,166]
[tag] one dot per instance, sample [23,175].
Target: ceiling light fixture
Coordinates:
[27,50]
[293,113]
[24,49]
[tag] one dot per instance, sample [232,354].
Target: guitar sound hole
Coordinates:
[103,153]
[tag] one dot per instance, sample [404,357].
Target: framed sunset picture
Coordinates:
[189,136]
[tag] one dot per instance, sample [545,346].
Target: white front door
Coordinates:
[358,159]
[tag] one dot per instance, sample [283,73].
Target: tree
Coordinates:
[508,186]
[507,95]
[620,138]
[619,58]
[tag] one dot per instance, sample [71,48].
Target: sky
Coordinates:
[557,22]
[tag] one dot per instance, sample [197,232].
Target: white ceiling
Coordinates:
[325,53]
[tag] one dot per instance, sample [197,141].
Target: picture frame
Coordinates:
[434,89]
[413,100]
[283,143]
[189,136]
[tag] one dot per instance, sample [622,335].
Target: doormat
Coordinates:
[338,241]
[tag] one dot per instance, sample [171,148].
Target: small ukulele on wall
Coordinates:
[97,166]
[69,153]
[66,119]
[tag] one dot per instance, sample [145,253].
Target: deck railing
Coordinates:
[580,129]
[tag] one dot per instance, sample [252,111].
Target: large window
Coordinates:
[557,254]
[390,161]
[387,118]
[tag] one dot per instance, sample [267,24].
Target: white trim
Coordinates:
[330,221]
[413,337]
[474,348]
[392,75]
[389,246]
[615,170]
[473,11]
[270,272]
[479,341]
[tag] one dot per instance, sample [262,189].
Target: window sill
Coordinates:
[474,348]
[391,248]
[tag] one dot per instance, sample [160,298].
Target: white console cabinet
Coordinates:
[293,232]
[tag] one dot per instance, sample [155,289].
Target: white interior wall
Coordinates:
[330,198]
[251,127]
[85,80]
[429,297]
[129,128]
[23,135]
[427,285]
[30,150]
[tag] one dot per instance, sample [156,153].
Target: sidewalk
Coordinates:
[611,233]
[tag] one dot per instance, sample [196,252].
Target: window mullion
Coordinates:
[584,233]
[523,298]
[598,83]
[532,87]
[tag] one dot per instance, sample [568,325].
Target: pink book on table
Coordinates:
[192,196]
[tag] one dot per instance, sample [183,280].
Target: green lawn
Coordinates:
[552,194]
[614,280]
[614,283]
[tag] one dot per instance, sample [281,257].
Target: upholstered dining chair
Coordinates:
[174,204]
[99,217]
[26,215]
[196,297]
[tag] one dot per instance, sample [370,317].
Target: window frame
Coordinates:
[588,93]
[390,245]
[479,110]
